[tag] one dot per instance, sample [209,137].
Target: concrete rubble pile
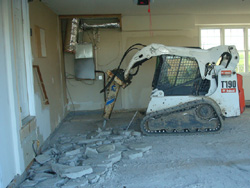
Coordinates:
[84,160]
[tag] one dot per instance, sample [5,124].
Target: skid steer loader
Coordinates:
[193,89]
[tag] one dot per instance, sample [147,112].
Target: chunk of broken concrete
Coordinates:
[71,159]
[52,182]
[116,138]
[76,183]
[42,176]
[132,154]
[120,147]
[45,168]
[92,134]
[104,133]
[98,161]
[43,158]
[35,165]
[140,146]
[78,139]
[106,148]
[28,183]
[99,170]
[90,152]
[115,157]
[89,141]
[93,178]
[51,151]
[105,160]
[73,152]
[96,134]
[71,172]
[91,145]
[107,142]
[105,164]
[124,133]
[78,147]
[98,143]
[136,133]
[65,147]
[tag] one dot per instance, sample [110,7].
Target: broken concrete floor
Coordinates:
[80,159]
[81,155]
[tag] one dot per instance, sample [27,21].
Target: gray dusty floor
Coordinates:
[192,161]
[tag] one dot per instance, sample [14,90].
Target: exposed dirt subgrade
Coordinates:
[177,161]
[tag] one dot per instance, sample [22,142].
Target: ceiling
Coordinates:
[127,7]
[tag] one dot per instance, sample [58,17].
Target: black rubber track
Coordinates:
[182,108]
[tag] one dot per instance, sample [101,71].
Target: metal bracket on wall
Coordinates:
[40,81]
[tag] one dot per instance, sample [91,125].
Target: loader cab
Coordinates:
[178,75]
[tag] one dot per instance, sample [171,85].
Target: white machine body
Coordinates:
[223,78]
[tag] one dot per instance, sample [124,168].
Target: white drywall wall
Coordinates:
[11,155]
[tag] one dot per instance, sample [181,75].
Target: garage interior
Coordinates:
[55,58]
